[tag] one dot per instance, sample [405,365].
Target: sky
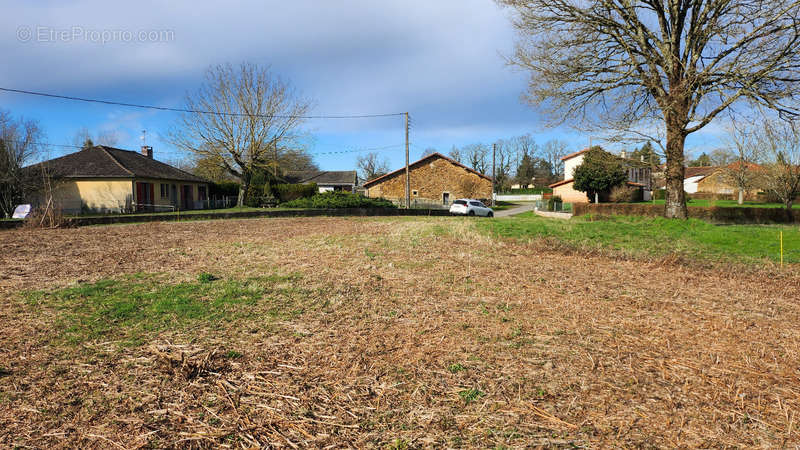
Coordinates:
[442,61]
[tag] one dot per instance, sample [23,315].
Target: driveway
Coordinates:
[514,211]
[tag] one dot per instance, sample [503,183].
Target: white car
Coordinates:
[470,207]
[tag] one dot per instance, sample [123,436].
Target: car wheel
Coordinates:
[491,214]
[471,213]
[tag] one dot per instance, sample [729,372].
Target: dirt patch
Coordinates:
[426,334]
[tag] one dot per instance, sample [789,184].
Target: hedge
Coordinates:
[289,192]
[712,214]
[329,200]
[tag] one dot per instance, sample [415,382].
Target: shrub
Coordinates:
[660,194]
[289,192]
[332,200]
[624,194]
[552,201]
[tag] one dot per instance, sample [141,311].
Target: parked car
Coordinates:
[470,207]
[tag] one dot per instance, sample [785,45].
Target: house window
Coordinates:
[164,190]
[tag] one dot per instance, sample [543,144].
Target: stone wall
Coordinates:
[430,180]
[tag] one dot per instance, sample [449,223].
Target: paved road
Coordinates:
[514,211]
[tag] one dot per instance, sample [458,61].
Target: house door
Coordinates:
[144,196]
[445,198]
[186,194]
[173,195]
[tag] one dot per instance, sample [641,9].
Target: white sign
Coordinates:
[22,211]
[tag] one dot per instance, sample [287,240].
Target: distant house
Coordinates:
[713,180]
[104,179]
[639,176]
[326,180]
[693,175]
[434,179]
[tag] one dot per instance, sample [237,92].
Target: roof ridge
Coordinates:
[436,154]
[103,148]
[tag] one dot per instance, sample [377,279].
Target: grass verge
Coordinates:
[646,236]
[728,204]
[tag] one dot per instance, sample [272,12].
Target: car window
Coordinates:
[460,202]
[481,204]
[475,203]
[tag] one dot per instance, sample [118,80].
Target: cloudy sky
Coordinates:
[440,60]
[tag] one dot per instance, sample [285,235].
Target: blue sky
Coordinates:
[440,60]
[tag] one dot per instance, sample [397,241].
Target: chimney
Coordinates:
[624,154]
[147,151]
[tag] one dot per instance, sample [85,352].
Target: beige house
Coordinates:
[434,179]
[103,179]
[639,176]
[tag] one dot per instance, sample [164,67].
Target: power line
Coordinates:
[180,152]
[195,111]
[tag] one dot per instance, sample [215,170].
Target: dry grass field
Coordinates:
[389,333]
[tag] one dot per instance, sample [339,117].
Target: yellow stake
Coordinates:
[781,249]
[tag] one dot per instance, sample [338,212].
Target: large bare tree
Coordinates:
[19,145]
[247,119]
[677,64]
[372,165]
[552,152]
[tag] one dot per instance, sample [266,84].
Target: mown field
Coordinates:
[391,333]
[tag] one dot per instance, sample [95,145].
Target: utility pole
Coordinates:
[494,152]
[408,178]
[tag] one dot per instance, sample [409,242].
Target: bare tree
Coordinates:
[781,143]
[19,145]
[372,166]
[456,155]
[256,119]
[84,139]
[743,172]
[428,151]
[505,158]
[674,63]
[476,156]
[552,152]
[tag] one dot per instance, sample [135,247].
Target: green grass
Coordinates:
[646,236]
[133,307]
[728,204]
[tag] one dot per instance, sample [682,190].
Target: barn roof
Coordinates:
[420,162]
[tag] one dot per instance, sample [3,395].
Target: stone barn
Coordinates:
[434,179]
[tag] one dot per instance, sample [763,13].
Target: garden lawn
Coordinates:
[658,237]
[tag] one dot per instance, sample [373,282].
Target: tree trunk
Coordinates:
[243,189]
[675,200]
[741,197]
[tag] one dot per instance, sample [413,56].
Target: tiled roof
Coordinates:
[323,177]
[702,171]
[108,162]
[420,162]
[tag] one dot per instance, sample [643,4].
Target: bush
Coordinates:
[289,192]
[625,194]
[552,201]
[333,200]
